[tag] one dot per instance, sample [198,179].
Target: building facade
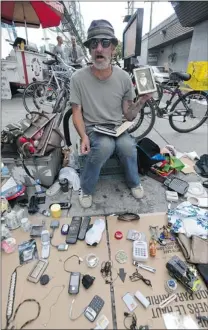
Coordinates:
[181,42]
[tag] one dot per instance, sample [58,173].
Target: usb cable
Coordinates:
[70,312]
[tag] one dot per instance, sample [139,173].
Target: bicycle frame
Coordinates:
[165,110]
[56,78]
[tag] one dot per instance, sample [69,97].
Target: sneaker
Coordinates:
[85,200]
[137,192]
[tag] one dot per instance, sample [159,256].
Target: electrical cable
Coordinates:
[58,286]
[133,317]
[70,312]
[74,255]
[52,235]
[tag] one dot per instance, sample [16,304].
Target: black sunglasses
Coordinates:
[104,42]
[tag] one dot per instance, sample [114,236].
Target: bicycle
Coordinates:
[43,94]
[183,107]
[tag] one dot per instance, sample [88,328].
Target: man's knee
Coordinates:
[102,150]
[125,145]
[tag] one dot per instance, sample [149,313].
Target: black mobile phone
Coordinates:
[74,283]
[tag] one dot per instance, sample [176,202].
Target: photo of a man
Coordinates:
[144,80]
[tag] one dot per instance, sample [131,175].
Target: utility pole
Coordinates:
[151,11]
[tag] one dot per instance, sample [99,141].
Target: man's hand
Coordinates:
[131,109]
[145,97]
[85,145]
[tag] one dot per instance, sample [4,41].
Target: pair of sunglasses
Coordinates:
[104,42]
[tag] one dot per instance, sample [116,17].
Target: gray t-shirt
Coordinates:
[101,100]
[58,51]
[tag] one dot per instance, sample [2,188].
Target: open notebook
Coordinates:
[113,131]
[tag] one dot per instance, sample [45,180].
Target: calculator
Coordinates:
[176,184]
[94,308]
[140,251]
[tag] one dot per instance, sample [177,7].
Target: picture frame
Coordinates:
[145,81]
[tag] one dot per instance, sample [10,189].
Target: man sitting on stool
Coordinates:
[100,94]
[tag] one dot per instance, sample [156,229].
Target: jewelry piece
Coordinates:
[92,260]
[121,257]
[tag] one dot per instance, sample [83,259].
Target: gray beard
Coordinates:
[101,66]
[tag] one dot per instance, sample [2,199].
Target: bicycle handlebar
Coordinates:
[49,53]
[59,59]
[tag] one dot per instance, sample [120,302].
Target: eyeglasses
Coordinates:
[104,42]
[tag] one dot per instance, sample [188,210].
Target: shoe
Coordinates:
[137,192]
[85,200]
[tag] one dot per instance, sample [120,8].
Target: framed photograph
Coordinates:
[144,80]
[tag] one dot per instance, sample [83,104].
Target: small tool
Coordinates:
[136,276]
[138,265]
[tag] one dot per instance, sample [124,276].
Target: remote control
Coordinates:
[84,227]
[73,233]
[94,308]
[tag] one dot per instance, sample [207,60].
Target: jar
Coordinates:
[55,211]
[25,224]
[12,221]
[9,245]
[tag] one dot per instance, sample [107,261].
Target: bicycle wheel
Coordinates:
[144,121]
[61,102]
[39,95]
[189,112]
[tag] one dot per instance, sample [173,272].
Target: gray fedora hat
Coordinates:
[100,29]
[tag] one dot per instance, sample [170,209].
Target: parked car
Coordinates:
[161,75]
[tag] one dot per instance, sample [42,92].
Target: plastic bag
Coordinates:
[71,175]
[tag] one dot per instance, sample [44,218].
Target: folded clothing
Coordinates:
[189,220]
[195,249]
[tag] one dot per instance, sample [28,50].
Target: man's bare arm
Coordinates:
[80,127]
[78,119]
[131,109]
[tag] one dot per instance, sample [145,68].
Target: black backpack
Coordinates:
[146,149]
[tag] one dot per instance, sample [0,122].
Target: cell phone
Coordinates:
[73,233]
[74,283]
[94,308]
[63,247]
[45,241]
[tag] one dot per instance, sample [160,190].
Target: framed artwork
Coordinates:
[144,80]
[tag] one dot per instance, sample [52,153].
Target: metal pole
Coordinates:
[151,10]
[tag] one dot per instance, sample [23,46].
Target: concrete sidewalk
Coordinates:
[112,194]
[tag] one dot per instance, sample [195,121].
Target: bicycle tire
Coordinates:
[62,97]
[31,85]
[175,105]
[150,104]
